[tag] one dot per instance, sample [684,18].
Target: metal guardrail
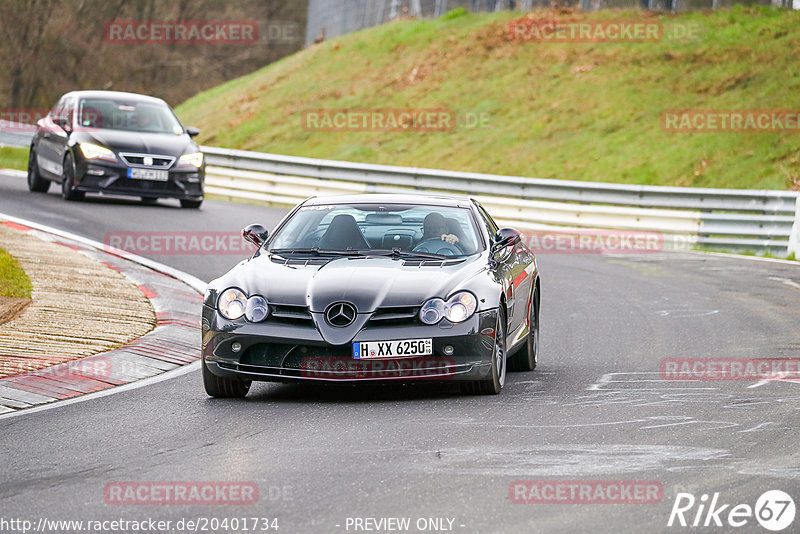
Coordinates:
[734,219]
[15,136]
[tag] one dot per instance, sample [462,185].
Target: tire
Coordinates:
[493,384]
[191,204]
[149,201]
[36,184]
[526,358]
[68,181]
[224,388]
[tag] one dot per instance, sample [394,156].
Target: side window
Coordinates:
[56,111]
[69,111]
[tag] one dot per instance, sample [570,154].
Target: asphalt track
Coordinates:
[595,408]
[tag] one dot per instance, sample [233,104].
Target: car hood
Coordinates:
[367,282]
[143,143]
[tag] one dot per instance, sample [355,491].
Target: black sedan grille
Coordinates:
[147,160]
[388,316]
[146,185]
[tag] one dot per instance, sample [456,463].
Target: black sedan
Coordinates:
[116,143]
[375,288]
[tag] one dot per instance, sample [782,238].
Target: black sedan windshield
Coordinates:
[131,116]
[442,230]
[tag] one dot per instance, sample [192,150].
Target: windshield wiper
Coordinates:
[398,253]
[316,251]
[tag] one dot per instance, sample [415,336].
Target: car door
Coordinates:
[517,279]
[53,137]
[65,123]
[505,262]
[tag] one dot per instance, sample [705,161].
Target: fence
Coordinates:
[330,18]
[732,219]
[17,136]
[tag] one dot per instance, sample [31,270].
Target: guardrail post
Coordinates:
[794,237]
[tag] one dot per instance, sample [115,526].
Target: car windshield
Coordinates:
[130,116]
[427,231]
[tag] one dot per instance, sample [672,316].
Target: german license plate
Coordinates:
[392,349]
[148,174]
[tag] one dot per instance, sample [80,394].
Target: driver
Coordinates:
[143,119]
[435,226]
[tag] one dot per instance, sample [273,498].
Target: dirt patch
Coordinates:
[11,308]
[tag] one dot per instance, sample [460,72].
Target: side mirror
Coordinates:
[192,131]
[256,234]
[506,237]
[64,124]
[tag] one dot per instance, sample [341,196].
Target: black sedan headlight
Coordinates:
[257,309]
[195,159]
[233,304]
[456,309]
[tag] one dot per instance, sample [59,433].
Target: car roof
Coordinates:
[115,94]
[392,198]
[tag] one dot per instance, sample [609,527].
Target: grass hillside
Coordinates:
[582,111]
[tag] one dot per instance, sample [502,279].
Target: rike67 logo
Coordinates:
[774,510]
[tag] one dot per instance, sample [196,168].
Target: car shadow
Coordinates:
[352,393]
[125,201]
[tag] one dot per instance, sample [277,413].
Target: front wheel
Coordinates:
[68,181]
[224,388]
[191,204]
[493,384]
[36,184]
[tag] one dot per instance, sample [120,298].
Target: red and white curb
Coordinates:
[160,354]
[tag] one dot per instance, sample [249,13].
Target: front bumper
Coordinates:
[284,352]
[112,178]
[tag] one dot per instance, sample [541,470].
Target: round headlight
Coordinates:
[460,307]
[432,311]
[256,309]
[232,304]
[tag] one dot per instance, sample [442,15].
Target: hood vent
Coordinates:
[299,262]
[431,263]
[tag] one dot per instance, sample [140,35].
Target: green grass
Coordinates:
[582,111]
[13,280]
[13,158]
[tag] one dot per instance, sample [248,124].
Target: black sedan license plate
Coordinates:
[392,349]
[148,174]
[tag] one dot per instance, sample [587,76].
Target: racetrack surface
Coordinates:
[594,409]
